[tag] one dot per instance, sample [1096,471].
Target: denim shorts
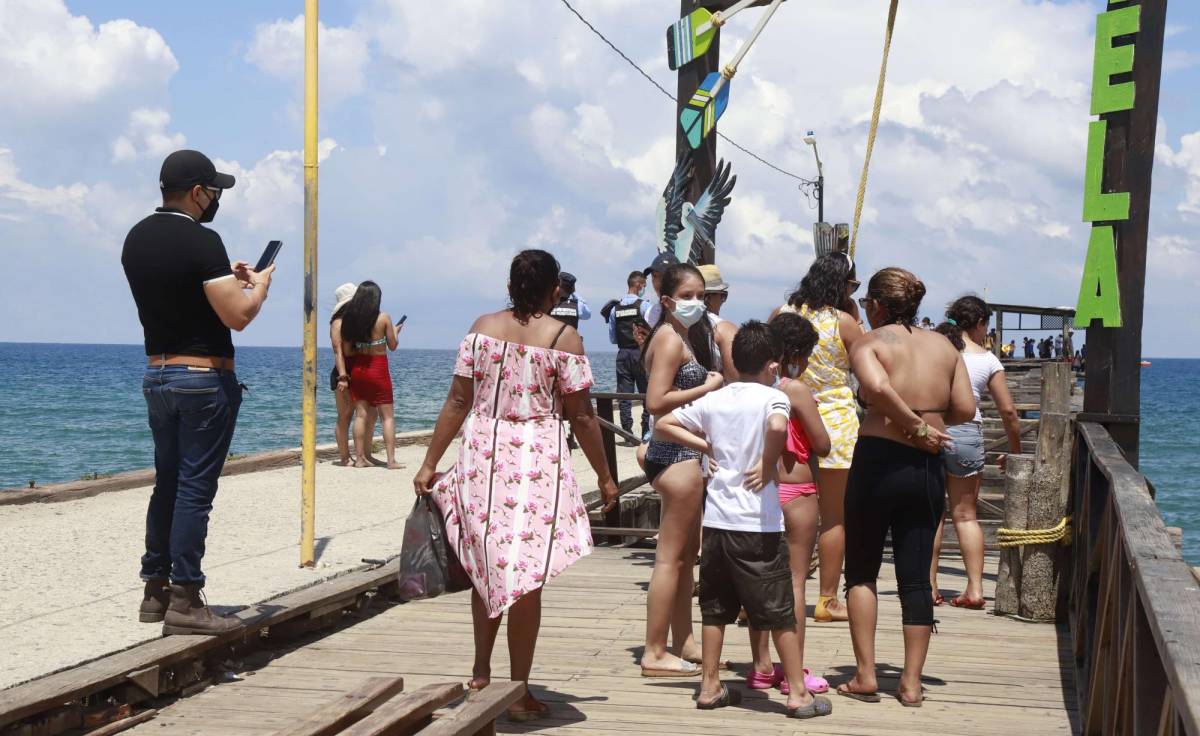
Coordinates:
[966,459]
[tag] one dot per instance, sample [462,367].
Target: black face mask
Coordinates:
[210,211]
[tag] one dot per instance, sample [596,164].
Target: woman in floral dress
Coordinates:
[513,511]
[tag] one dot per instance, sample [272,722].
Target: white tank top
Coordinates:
[981,367]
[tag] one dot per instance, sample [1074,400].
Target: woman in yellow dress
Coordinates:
[824,298]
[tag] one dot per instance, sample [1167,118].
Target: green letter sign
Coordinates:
[1099,296]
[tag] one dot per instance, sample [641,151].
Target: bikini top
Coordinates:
[690,375]
[797,440]
[858,397]
[372,344]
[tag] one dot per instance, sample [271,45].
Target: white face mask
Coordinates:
[688,311]
[793,371]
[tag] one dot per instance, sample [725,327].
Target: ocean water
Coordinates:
[67,411]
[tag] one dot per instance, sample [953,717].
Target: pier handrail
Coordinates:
[1132,603]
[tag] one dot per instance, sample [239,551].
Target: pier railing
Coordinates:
[1132,603]
[611,431]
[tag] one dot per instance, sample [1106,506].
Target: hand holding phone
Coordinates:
[403,319]
[268,255]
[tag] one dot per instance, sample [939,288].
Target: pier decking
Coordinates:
[985,674]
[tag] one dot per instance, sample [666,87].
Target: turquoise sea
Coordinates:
[67,411]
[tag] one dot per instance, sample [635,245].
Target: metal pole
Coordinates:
[820,198]
[308,453]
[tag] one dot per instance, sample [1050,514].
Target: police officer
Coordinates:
[571,308]
[627,330]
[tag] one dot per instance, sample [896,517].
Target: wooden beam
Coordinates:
[351,707]
[690,77]
[1113,384]
[408,712]
[478,715]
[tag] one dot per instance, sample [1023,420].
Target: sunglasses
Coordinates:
[723,294]
[853,284]
[864,301]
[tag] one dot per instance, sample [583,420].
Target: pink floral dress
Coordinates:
[511,503]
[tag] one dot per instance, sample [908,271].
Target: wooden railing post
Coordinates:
[604,408]
[1018,483]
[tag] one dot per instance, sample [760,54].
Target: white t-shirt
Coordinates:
[981,367]
[734,419]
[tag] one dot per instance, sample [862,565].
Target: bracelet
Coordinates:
[343,377]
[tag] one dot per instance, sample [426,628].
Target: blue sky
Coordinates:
[461,131]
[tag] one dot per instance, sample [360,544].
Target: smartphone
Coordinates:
[268,255]
[403,319]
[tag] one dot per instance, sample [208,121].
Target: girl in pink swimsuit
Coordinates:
[807,436]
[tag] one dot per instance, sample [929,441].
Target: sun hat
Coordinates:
[712,278]
[342,296]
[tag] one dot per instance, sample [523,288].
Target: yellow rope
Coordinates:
[862,182]
[1018,537]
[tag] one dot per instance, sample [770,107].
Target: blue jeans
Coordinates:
[630,376]
[192,415]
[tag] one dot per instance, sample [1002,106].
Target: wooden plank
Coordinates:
[124,724]
[351,707]
[402,715]
[478,715]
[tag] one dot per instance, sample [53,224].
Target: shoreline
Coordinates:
[126,480]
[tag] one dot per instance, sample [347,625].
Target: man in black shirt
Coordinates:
[189,296]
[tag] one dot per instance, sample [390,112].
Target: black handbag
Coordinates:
[428,566]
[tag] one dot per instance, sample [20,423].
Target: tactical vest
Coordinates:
[567,311]
[625,316]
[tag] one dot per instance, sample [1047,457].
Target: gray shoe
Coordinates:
[155,599]
[819,707]
[188,613]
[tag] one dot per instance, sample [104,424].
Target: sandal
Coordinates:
[844,689]
[822,614]
[525,715]
[759,681]
[819,707]
[963,602]
[686,669]
[909,703]
[724,700]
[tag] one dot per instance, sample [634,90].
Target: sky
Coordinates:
[455,133]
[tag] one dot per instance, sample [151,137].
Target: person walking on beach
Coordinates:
[914,383]
[744,428]
[189,296]
[679,361]
[824,299]
[511,503]
[339,382]
[966,320]
[625,319]
[371,334]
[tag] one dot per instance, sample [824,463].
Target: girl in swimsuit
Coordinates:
[679,363]
[372,334]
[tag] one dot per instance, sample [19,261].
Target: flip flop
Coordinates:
[819,707]
[525,715]
[861,697]
[963,602]
[688,670]
[724,700]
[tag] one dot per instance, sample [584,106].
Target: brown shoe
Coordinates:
[155,599]
[189,614]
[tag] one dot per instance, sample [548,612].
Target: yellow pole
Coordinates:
[308,482]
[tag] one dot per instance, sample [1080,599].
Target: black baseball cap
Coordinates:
[661,263]
[185,169]
[567,281]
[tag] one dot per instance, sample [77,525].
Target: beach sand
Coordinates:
[69,586]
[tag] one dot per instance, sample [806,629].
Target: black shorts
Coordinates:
[333,382]
[746,570]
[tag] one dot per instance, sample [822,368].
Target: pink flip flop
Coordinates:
[758,681]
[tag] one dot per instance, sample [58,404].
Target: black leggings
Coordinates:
[897,487]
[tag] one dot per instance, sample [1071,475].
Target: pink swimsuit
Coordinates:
[797,447]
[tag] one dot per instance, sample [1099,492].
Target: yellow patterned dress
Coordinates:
[828,375]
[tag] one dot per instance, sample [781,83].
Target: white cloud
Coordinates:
[269,196]
[147,136]
[278,49]
[1186,159]
[51,60]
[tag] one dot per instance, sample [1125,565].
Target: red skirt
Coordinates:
[370,380]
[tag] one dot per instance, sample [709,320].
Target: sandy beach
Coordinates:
[69,586]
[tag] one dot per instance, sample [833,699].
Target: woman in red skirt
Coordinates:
[370,333]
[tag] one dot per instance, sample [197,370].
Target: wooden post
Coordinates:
[1047,501]
[999,334]
[604,408]
[308,415]
[1018,484]
[690,77]
[1113,384]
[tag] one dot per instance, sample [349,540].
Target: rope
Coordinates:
[862,182]
[1060,533]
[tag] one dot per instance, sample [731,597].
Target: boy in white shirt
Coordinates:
[744,562]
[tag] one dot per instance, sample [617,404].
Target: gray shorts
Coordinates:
[966,459]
